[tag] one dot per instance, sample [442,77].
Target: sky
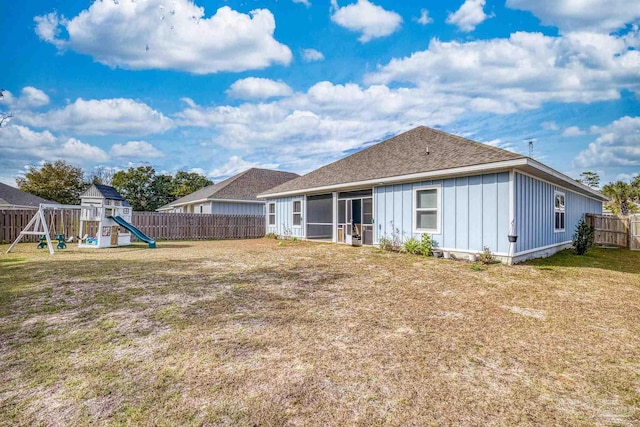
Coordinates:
[217,87]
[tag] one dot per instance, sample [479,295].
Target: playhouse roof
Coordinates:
[244,186]
[15,198]
[104,191]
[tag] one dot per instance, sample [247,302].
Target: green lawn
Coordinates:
[256,333]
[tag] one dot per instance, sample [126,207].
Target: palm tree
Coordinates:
[620,194]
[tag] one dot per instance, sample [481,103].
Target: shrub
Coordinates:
[486,257]
[426,244]
[584,237]
[295,239]
[273,236]
[412,246]
[385,244]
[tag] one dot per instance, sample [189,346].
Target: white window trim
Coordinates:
[561,210]
[269,214]
[293,213]
[414,210]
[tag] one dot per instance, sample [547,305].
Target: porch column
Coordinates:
[334,228]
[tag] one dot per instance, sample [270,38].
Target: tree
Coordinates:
[162,187]
[136,186]
[4,117]
[592,179]
[102,175]
[621,195]
[58,181]
[187,182]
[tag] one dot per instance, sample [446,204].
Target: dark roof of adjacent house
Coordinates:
[403,154]
[10,196]
[243,186]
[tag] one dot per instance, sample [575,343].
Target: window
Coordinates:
[427,210]
[558,211]
[297,213]
[200,208]
[272,214]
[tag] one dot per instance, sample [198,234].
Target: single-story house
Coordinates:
[13,198]
[233,196]
[465,194]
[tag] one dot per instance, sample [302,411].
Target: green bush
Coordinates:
[426,244]
[273,236]
[412,246]
[584,237]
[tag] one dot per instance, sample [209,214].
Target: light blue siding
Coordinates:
[534,213]
[284,217]
[223,208]
[474,212]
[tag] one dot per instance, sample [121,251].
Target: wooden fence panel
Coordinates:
[157,225]
[610,230]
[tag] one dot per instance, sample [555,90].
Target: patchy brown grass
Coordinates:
[253,333]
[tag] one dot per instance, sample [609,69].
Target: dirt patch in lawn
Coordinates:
[257,333]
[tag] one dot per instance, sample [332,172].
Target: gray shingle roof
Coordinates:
[10,196]
[243,186]
[401,155]
[109,192]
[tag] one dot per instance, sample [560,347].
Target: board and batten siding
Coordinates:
[474,212]
[223,208]
[534,213]
[284,217]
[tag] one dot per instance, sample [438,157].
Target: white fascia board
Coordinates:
[464,170]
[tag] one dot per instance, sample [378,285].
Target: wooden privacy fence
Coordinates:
[612,230]
[157,225]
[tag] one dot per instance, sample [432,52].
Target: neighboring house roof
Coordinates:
[420,153]
[15,198]
[244,186]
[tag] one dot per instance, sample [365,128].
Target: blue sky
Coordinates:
[220,86]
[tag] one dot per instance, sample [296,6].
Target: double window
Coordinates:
[426,214]
[297,213]
[558,211]
[272,214]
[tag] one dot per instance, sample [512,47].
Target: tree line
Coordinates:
[142,186]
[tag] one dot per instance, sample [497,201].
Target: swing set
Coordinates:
[38,226]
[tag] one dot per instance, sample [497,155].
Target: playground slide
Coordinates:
[139,234]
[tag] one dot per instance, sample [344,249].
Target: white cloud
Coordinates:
[135,150]
[504,75]
[572,131]
[617,145]
[30,97]
[550,125]
[312,55]
[155,34]
[24,144]
[75,149]
[424,17]
[367,18]
[235,165]
[582,15]
[101,117]
[469,16]
[304,2]
[258,88]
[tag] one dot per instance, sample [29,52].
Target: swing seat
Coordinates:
[43,242]
[61,241]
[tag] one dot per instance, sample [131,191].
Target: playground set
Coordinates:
[102,209]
